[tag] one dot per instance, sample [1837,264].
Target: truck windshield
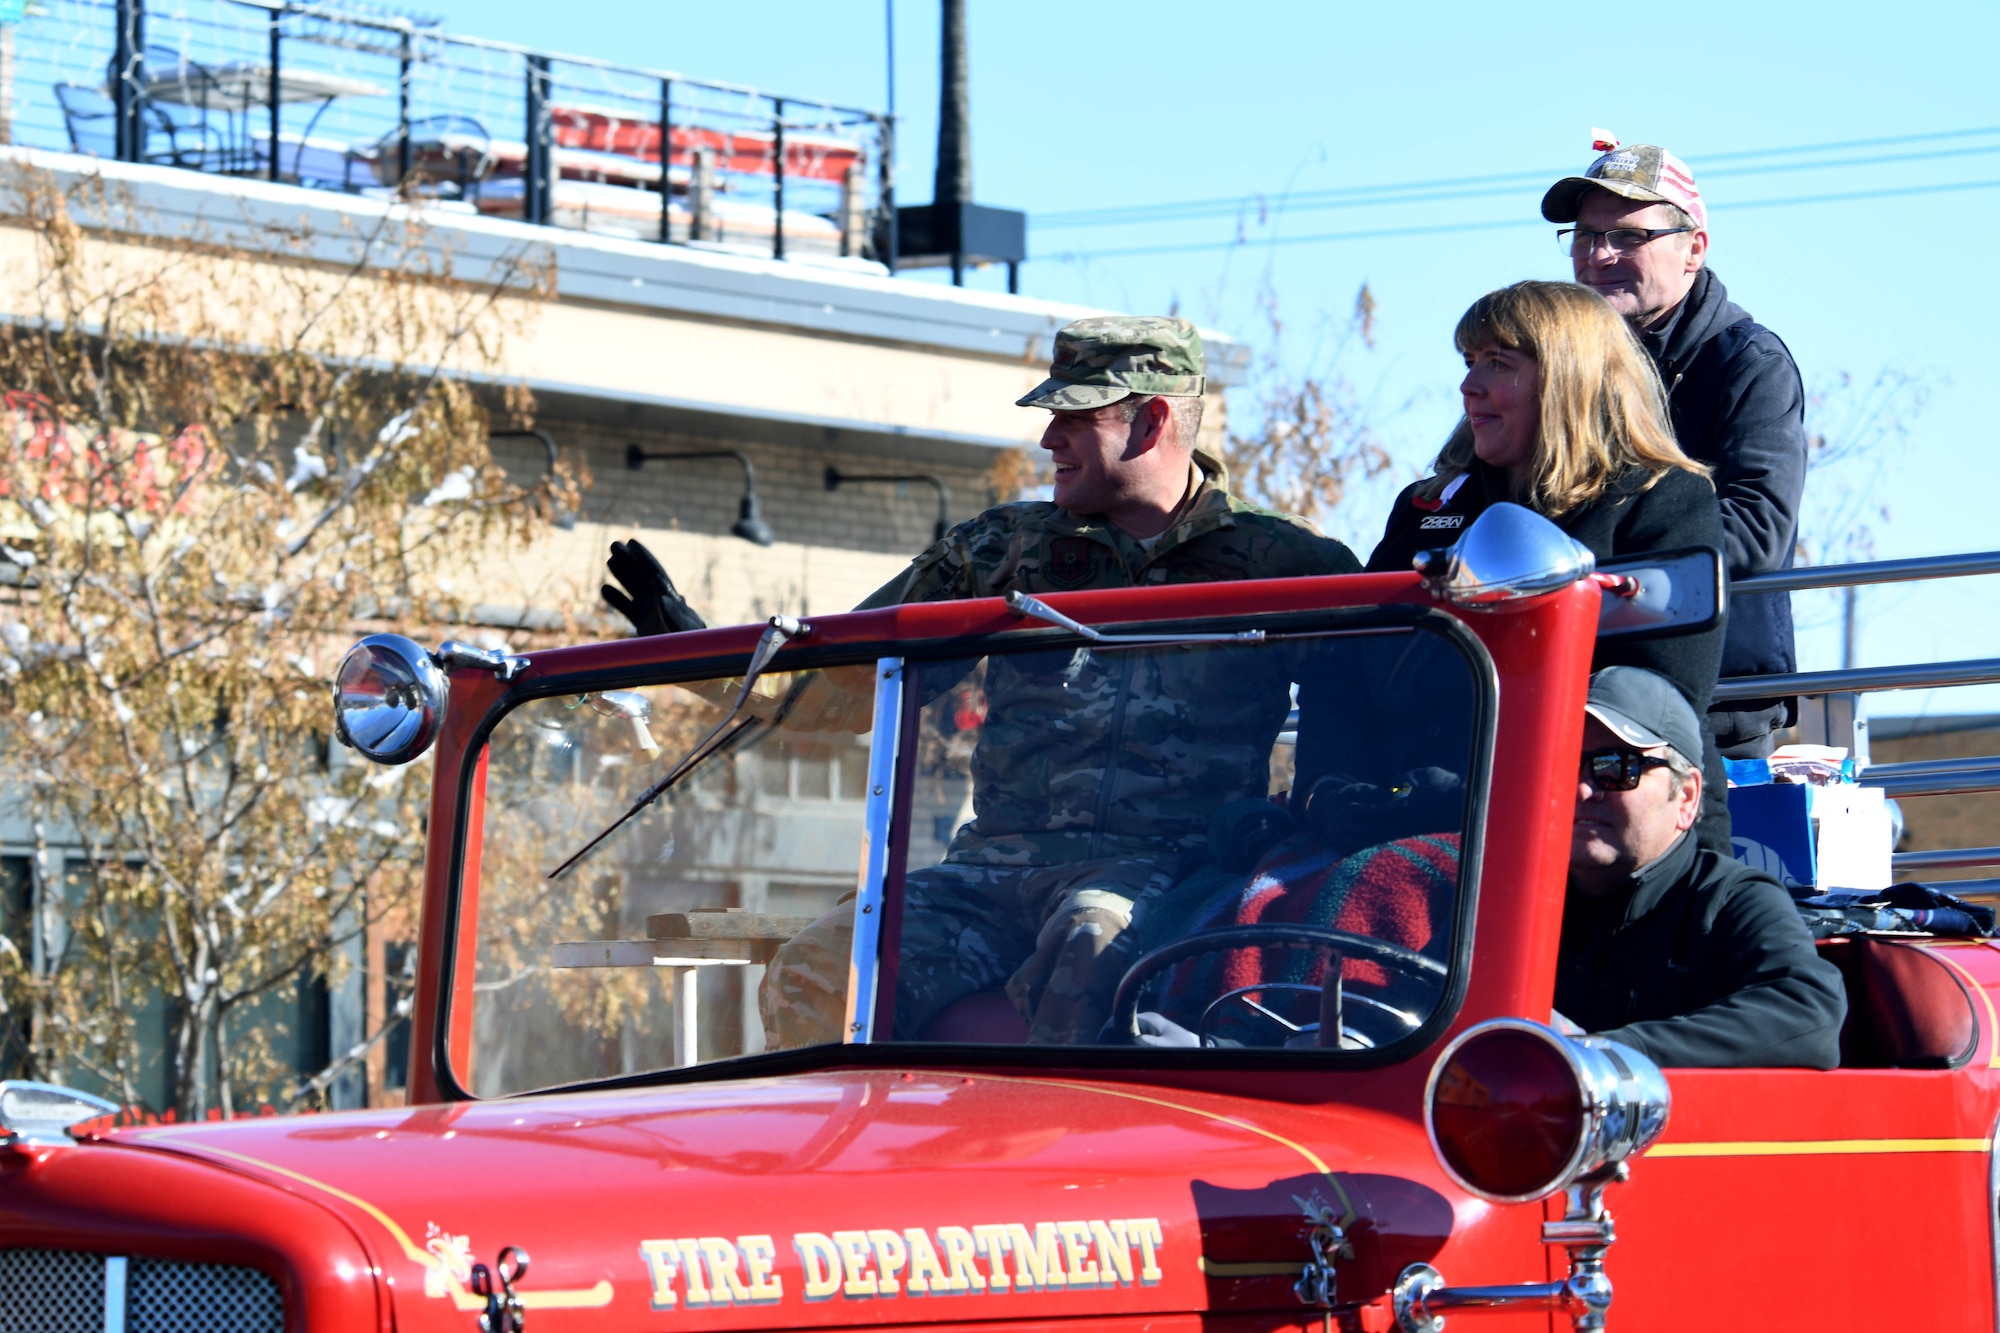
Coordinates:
[1183,846]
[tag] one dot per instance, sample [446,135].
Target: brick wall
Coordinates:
[702,496]
[727,580]
[1933,823]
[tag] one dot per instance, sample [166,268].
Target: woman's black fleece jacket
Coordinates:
[1678,510]
[1629,519]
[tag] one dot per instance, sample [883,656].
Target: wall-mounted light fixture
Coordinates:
[563,518]
[835,479]
[750,524]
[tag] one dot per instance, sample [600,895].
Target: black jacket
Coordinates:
[1678,510]
[1738,405]
[1700,961]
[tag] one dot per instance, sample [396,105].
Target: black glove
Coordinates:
[1241,832]
[1351,814]
[649,599]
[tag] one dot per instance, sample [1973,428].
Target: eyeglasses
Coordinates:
[1578,242]
[1617,768]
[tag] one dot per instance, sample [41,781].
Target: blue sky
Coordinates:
[1101,107]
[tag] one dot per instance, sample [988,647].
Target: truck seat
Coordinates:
[1906,1009]
[983,1017]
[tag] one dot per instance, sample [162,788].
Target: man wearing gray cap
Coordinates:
[1688,955]
[1638,236]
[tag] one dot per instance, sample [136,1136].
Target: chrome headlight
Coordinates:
[1517,1111]
[389,699]
[45,1111]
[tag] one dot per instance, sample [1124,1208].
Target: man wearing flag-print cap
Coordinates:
[1636,231]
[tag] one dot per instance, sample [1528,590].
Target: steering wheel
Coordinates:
[1125,1002]
[1384,1021]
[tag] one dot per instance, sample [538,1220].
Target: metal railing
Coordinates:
[365,102]
[1958,859]
[1929,777]
[1861,680]
[1872,571]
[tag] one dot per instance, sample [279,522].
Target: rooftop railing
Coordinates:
[373,104]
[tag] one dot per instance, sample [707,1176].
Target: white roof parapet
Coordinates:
[607,270]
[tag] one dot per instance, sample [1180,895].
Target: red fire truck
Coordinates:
[1328,1094]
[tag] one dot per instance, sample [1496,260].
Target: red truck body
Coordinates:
[879,1184]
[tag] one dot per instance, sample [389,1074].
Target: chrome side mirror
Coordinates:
[1663,592]
[389,699]
[1509,553]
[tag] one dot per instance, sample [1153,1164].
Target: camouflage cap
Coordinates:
[1100,361]
[1641,172]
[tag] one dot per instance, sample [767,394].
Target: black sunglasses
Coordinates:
[1617,768]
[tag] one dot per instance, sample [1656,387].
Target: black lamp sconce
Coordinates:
[563,518]
[750,524]
[835,479]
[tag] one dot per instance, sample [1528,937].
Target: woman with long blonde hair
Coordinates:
[1564,413]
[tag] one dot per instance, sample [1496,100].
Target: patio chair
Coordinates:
[182,95]
[91,120]
[461,166]
[90,117]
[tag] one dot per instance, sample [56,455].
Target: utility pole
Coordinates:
[1847,600]
[952,187]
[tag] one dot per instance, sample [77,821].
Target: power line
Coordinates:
[1381,196]
[1443,228]
[1424,191]
[1435,194]
[1842,145]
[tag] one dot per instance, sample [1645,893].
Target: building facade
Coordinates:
[797,372]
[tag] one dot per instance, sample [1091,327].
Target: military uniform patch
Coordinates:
[1070,564]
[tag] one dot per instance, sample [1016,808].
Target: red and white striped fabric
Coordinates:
[1677,184]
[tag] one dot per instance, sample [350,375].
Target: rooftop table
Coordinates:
[239,85]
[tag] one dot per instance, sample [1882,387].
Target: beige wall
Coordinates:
[618,352]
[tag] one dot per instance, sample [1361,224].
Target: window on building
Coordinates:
[16,927]
[398,960]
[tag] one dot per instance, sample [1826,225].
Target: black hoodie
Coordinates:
[1738,405]
[1699,961]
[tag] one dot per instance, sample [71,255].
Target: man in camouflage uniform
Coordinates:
[1096,772]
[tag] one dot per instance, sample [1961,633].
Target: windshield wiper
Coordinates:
[780,631]
[1037,609]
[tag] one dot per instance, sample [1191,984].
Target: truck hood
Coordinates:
[854,1197]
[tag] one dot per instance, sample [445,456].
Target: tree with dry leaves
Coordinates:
[218,462]
[1310,435]
[1855,429]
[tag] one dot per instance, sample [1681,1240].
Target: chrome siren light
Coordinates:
[1508,553]
[1517,1111]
